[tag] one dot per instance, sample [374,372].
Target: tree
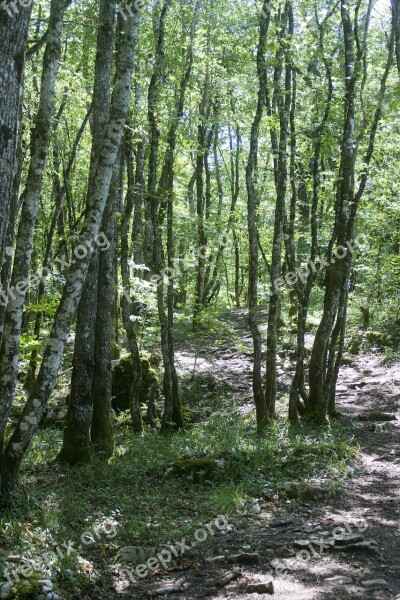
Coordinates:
[37,401]
[14,36]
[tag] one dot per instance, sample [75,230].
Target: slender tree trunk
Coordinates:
[6,267]
[9,355]
[131,201]
[45,382]
[101,432]
[79,412]
[213,281]
[252,220]
[282,96]
[172,408]
[200,204]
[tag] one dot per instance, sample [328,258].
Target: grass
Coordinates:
[147,508]
[131,493]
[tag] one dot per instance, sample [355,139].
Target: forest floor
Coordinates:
[304,545]
[316,514]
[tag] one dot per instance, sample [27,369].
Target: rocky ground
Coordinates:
[344,547]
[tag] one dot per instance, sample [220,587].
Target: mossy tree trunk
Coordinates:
[101,432]
[135,188]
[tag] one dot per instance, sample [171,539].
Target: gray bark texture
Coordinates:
[46,380]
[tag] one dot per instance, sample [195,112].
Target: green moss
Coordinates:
[379,339]
[76,451]
[196,469]
[123,379]
[354,344]
[26,589]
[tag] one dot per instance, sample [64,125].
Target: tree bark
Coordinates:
[282,99]
[9,355]
[76,440]
[252,221]
[37,401]
[13,35]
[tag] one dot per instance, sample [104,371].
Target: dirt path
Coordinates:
[304,549]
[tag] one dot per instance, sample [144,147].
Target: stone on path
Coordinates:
[374,583]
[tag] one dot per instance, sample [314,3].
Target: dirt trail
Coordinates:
[368,506]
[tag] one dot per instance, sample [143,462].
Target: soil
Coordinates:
[367,506]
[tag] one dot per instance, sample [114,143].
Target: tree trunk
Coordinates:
[9,355]
[131,201]
[37,401]
[79,414]
[252,220]
[282,99]
[102,431]
[13,36]
[6,266]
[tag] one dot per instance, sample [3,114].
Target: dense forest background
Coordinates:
[199,228]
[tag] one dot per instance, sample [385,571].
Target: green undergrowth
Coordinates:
[148,507]
[148,501]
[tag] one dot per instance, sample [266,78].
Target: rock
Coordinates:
[47,586]
[122,381]
[49,595]
[305,491]
[366,546]
[339,579]
[310,528]
[285,522]
[280,566]
[252,507]
[128,554]
[135,554]
[377,416]
[53,417]
[301,543]
[345,540]
[380,427]
[374,583]
[245,558]
[197,470]
[260,588]
[378,339]
[285,552]
[5,590]
[216,560]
